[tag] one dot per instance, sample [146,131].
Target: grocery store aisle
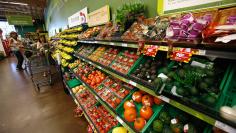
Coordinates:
[24,111]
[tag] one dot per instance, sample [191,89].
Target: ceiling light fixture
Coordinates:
[14,3]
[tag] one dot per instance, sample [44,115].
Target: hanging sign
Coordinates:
[171,6]
[99,17]
[78,18]
[181,54]
[19,20]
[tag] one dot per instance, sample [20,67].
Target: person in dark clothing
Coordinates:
[16,46]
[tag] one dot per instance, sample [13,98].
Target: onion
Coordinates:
[183,34]
[188,17]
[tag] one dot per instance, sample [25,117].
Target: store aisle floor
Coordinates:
[24,111]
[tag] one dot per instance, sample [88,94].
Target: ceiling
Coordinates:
[34,8]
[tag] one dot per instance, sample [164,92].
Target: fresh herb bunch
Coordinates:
[128,13]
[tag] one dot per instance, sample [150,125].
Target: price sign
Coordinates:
[165,99]
[119,120]
[133,83]
[112,43]
[99,67]
[150,50]
[124,44]
[225,127]
[181,55]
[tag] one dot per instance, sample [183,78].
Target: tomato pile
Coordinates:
[102,119]
[142,115]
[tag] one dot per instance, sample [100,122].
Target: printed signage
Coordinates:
[78,18]
[19,20]
[99,17]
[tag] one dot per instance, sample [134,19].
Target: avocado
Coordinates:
[143,69]
[181,73]
[209,81]
[153,77]
[157,126]
[210,73]
[153,68]
[180,91]
[210,100]
[203,86]
[164,70]
[171,74]
[147,66]
[167,129]
[193,91]
[153,71]
[177,128]
[164,117]
[194,99]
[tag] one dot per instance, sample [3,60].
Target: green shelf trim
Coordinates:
[201,52]
[107,107]
[174,103]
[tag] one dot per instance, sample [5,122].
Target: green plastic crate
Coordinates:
[228,92]
[73,83]
[156,109]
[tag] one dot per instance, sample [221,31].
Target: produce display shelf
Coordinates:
[164,47]
[108,108]
[78,103]
[213,120]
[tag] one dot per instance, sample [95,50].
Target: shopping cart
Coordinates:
[39,67]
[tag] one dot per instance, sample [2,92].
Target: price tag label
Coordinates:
[83,84]
[225,127]
[119,120]
[163,48]
[133,83]
[83,59]
[95,41]
[165,99]
[181,55]
[90,62]
[96,97]
[124,44]
[75,102]
[112,43]
[201,52]
[99,67]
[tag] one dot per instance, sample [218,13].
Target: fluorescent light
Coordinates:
[14,3]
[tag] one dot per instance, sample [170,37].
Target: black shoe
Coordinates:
[20,69]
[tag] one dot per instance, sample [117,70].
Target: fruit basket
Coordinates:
[148,69]
[201,81]
[109,55]
[124,61]
[73,83]
[135,112]
[171,119]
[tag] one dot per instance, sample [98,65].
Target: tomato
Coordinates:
[147,100]
[137,97]
[139,123]
[118,101]
[143,92]
[92,83]
[130,114]
[129,104]
[157,101]
[98,80]
[146,112]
